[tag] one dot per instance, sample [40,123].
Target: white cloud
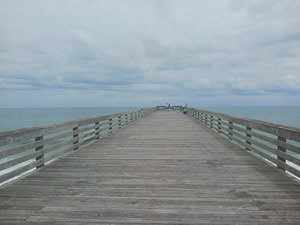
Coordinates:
[157,49]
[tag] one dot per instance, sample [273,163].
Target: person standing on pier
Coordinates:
[168,106]
[185,109]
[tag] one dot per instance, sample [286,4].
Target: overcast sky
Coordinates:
[144,53]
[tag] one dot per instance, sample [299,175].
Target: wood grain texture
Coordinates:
[163,169]
[277,143]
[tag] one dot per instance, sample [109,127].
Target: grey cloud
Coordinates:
[170,49]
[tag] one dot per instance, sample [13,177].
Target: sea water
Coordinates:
[284,115]
[15,118]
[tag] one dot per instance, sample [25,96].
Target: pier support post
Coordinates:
[40,157]
[281,160]
[97,128]
[120,121]
[248,136]
[219,125]
[110,124]
[230,130]
[139,114]
[75,138]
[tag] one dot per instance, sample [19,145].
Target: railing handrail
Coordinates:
[53,127]
[279,144]
[22,150]
[293,129]
[55,124]
[173,107]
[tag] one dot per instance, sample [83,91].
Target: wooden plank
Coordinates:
[10,137]
[289,168]
[18,171]
[164,169]
[289,157]
[58,154]
[281,149]
[33,155]
[20,149]
[281,142]
[26,147]
[292,133]
[264,146]
[81,130]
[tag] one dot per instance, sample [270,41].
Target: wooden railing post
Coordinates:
[110,123]
[249,137]
[39,158]
[211,121]
[126,119]
[142,113]
[120,121]
[24,150]
[131,117]
[281,149]
[230,130]
[75,138]
[219,125]
[97,128]
[205,119]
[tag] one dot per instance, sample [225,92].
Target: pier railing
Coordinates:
[24,150]
[276,143]
[174,107]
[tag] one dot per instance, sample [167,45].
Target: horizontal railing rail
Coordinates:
[276,143]
[27,149]
[174,107]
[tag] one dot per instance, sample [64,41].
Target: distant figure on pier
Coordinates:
[185,109]
[168,107]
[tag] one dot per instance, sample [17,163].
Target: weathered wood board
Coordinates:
[163,169]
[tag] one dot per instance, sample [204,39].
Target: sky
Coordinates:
[85,53]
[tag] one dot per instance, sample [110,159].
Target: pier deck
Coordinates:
[163,169]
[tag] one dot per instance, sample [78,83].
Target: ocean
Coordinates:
[285,115]
[14,118]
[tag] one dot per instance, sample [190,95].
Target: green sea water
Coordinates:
[285,115]
[14,118]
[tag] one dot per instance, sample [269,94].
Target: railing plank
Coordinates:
[18,171]
[32,155]
[81,132]
[250,133]
[56,155]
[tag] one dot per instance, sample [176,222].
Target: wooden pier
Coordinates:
[166,168]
